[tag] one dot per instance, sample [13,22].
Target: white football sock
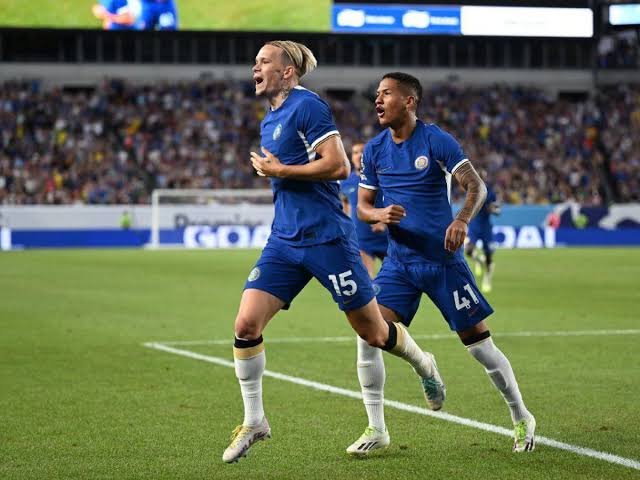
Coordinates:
[407,349]
[249,372]
[371,374]
[488,274]
[499,370]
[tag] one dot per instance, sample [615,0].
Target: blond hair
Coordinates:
[298,55]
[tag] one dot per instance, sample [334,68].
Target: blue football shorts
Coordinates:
[158,16]
[373,244]
[284,270]
[486,235]
[452,288]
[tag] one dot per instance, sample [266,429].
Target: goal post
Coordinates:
[209,206]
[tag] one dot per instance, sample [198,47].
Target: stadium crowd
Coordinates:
[117,142]
[621,50]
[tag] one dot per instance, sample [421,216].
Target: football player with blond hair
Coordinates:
[311,237]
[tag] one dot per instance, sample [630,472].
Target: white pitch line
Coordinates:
[437,336]
[587,452]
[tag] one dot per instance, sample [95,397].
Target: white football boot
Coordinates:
[371,439]
[434,390]
[242,438]
[524,435]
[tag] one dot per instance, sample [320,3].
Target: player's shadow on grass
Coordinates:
[398,451]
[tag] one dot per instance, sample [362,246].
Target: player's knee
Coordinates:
[374,339]
[247,328]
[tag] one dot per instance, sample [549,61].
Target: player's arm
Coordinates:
[123,18]
[332,164]
[476,193]
[367,212]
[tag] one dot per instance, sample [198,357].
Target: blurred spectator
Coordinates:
[619,50]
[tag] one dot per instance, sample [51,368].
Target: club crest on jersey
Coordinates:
[421,162]
[277,132]
[254,274]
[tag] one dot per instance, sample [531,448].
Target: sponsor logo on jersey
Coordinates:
[277,132]
[254,275]
[376,289]
[421,162]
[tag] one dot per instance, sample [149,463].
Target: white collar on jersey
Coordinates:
[297,87]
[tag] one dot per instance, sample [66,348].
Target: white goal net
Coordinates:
[224,218]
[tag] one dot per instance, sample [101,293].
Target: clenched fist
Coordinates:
[267,166]
[456,233]
[391,215]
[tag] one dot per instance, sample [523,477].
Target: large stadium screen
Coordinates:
[479,20]
[624,14]
[249,15]
[527,19]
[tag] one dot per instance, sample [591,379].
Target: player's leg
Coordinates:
[487,278]
[369,263]
[469,247]
[399,298]
[393,337]
[454,291]
[371,375]
[271,286]
[480,345]
[395,289]
[339,268]
[472,253]
[256,309]
[390,335]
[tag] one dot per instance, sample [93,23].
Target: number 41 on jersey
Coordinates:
[462,301]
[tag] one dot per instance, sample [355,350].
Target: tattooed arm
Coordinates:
[476,190]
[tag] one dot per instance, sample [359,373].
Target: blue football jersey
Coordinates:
[415,174]
[482,221]
[367,239]
[306,212]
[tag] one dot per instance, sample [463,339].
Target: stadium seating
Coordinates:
[117,142]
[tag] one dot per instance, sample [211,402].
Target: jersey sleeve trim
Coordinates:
[458,165]
[368,187]
[323,138]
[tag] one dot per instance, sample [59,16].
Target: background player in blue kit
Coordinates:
[481,229]
[310,235]
[157,15]
[117,14]
[372,239]
[137,14]
[412,164]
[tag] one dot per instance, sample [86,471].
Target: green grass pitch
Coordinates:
[251,15]
[82,398]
